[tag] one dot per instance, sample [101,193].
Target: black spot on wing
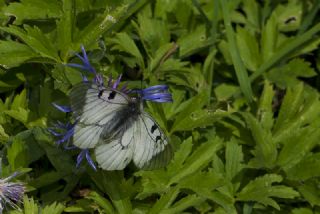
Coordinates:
[153,128]
[158,138]
[100,94]
[112,95]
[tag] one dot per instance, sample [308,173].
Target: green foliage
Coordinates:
[244,123]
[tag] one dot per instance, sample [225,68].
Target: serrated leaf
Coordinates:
[47,179]
[3,135]
[13,54]
[200,119]
[193,42]
[116,187]
[265,149]
[156,181]
[269,38]
[30,207]
[302,211]
[234,158]
[262,189]
[33,9]
[17,155]
[54,208]
[66,28]
[101,201]
[306,168]
[225,91]
[310,191]
[248,49]
[287,75]
[35,39]
[153,33]
[159,57]
[289,16]
[123,43]
[191,200]
[265,111]
[290,105]
[209,181]
[199,158]
[187,108]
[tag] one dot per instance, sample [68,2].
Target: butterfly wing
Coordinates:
[151,148]
[142,140]
[94,110]
[117,154]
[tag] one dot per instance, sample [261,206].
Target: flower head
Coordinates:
[11,193]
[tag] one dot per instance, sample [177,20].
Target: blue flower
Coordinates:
[65,132]
[11,193]
[98,79]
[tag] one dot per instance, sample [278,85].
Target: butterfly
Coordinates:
[116,126]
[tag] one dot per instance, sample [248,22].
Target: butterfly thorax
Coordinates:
[123,119]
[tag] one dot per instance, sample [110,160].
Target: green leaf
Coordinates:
[225,91]
[122,42]
[33,10]
[209,182]
[47,178]
[310,192]
[301,211]
[290,105]
[265,149]
[183,204]
[66,28]
[157,181]
[98,26]
[301,172]
[101,201]
[199,158]
[193,42]
[153,33]
[54,208]
[234,159]
[17,155]
[116,187]
[187,108]
[3,135]
[262,189]
[287,75]
[13,54]
[200,119]
[248,49]
[289,16]
[30,207]
[265,110]
[36,40]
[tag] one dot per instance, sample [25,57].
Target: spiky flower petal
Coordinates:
[11,193]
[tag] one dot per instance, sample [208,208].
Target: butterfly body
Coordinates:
[118,128]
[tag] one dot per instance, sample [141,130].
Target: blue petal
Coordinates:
[54,132]
[65,109]
[90,161]
[116,83]
[155,88]
[82,154]
[158,97]
[80,158]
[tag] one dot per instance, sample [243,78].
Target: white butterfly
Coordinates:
[118,128]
